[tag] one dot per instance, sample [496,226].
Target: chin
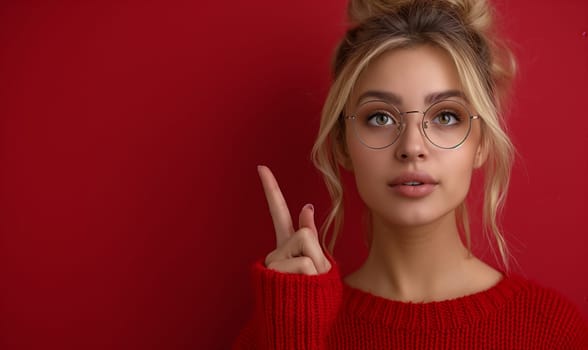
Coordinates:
[413,217]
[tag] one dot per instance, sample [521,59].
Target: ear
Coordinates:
[481,155]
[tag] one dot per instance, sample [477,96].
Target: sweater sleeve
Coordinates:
[292,311]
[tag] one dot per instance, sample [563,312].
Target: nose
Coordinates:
[411,144]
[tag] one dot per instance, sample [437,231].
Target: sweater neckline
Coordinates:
[451,313]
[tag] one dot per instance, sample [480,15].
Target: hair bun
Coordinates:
[476,14]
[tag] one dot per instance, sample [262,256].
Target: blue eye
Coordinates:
[446,118]
[380,119]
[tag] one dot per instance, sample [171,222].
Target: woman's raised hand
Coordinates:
[296,251]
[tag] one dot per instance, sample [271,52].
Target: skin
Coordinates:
[416,253]
[297,251]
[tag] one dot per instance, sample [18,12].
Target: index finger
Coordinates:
[277,205]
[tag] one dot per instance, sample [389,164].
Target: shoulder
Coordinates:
[547,301]
[547,311]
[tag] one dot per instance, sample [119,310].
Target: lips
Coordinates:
[413,184]
[413,179]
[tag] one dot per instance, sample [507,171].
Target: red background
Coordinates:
[130,205]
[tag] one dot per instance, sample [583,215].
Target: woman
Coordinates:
[412,112]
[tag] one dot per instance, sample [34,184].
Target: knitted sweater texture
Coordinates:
[294,311]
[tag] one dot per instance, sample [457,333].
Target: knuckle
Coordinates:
[306,265]
[327,265]
[269,259]
[273,266]
[306,235]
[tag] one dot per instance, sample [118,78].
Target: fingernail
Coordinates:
[311,207]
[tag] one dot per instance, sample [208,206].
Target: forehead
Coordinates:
[411,74]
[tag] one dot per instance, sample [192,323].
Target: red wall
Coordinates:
[130,206]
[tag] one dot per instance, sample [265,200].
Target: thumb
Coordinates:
[306,218]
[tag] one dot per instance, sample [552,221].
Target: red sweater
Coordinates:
[321,312]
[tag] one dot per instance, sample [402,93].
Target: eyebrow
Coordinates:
[396,100]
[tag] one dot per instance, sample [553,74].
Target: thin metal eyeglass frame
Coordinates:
[423,126]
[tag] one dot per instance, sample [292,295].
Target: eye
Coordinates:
[380,119]
[447,118]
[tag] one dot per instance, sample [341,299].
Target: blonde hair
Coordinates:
[463,28]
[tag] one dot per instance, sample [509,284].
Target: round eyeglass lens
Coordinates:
[447,124]
[377,124]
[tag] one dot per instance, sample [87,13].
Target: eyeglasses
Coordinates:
[378,124]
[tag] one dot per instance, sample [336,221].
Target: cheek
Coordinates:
[459,170]
[363,160]
[460,178]
[369,167]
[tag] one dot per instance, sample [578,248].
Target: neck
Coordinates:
[422,263]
